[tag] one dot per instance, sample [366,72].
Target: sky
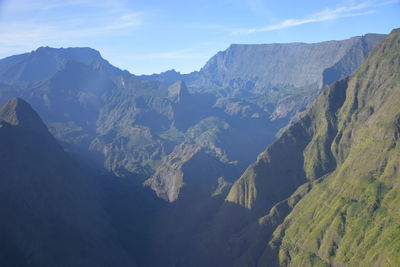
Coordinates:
[152,36]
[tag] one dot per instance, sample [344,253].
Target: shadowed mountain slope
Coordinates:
[50,208]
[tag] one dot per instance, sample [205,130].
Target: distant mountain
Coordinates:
[262,67]
[44,62]
[50,207]
[281,78]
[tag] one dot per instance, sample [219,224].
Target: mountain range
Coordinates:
[270,155]
[132,124]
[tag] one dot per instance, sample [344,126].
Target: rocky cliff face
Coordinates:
[168,179]
[278,65]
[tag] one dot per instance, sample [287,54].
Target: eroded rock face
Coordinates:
[192,172]
[168,178]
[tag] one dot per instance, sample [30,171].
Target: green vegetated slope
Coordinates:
[346,152]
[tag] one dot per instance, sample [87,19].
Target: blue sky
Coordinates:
[151,36]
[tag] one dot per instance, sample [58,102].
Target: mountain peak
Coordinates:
[178,91]
[18,112]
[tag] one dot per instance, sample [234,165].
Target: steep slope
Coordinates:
[345,150]
[50,207]
[352,59]
[355,210]
[297,156]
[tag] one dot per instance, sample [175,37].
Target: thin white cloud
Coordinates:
[27,35]
[19,33]
[126,21]
[327,14]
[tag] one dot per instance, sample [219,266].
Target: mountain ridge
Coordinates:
[43,62]
[217,67]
